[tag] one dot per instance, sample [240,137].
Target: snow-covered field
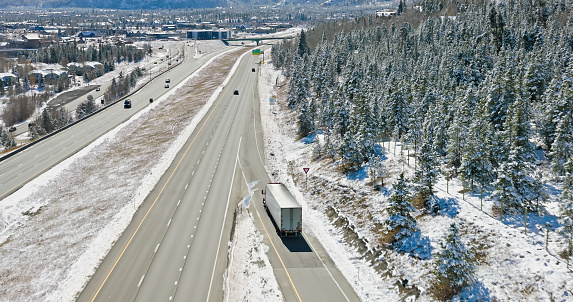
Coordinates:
[249,275]
[512,266]
[57,228]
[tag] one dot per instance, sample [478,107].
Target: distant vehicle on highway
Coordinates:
[253,70]
[151,100]
[166,85]
[98,89]
[284,209]
[127,104]
[12,129]
[236,92]
[167,81]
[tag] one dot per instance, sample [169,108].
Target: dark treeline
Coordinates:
[51,120]
[106,54]
[472,95]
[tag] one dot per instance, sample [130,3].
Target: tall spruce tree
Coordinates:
[400,224]
[517,186]
[454,267]
[562,150]
[427,160]
[566,208]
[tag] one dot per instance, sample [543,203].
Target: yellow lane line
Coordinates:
[157,198]
[283,264]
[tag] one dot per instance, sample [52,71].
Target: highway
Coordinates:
[26,165]
[303,269]
[175,249]
[152,67]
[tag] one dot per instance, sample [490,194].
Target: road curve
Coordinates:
[19,169]
[175,249]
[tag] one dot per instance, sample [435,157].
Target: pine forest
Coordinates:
[477,92]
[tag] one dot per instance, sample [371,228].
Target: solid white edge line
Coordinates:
[326,267]
[140,281]
[224,219]
[311,246]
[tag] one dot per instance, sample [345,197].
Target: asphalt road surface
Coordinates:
[71,99]
[26,165]
[175,249]
[303,269]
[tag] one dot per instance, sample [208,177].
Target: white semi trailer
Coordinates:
[284,209]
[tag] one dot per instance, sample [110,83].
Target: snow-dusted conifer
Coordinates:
[428,165]
[518,186]
[476,165]
[453,267]
[306,111]
[46,122]
[566,207]
[400,224]
[376,169]
[562,150]
[303,48]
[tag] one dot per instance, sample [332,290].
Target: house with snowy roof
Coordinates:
[8,79]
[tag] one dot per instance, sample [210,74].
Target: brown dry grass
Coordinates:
[48,243]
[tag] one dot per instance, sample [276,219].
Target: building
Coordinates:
[386,13]
[209,34]
[8,79]
[88,34]
[38,76]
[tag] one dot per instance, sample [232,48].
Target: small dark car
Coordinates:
[236,92]
[127,104]
[167,81]
[166,85]
[151,100]
[253,70]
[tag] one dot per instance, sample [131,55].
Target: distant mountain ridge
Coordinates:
[156,4]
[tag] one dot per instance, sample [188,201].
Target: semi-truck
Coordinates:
[284,209]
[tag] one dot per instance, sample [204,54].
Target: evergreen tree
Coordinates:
[306,113]
[46,122]
[566,208]
[517,186]
[6,140]
[548,112]
[453,267]
[427,163]
[562,150]
[400,224]
[376,170]
[476,164]
[303,48]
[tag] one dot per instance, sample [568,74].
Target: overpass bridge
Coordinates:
[258,39]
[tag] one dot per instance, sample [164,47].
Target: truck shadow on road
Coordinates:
[296,244]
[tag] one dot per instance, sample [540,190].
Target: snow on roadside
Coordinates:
[57,228]
[512,266]
[250,276]
[366,282]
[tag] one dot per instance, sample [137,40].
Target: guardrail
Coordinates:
[32,143]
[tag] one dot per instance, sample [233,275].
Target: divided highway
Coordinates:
[26,165]
[175,249]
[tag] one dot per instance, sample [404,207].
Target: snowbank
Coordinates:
[58,227]
[347,213]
